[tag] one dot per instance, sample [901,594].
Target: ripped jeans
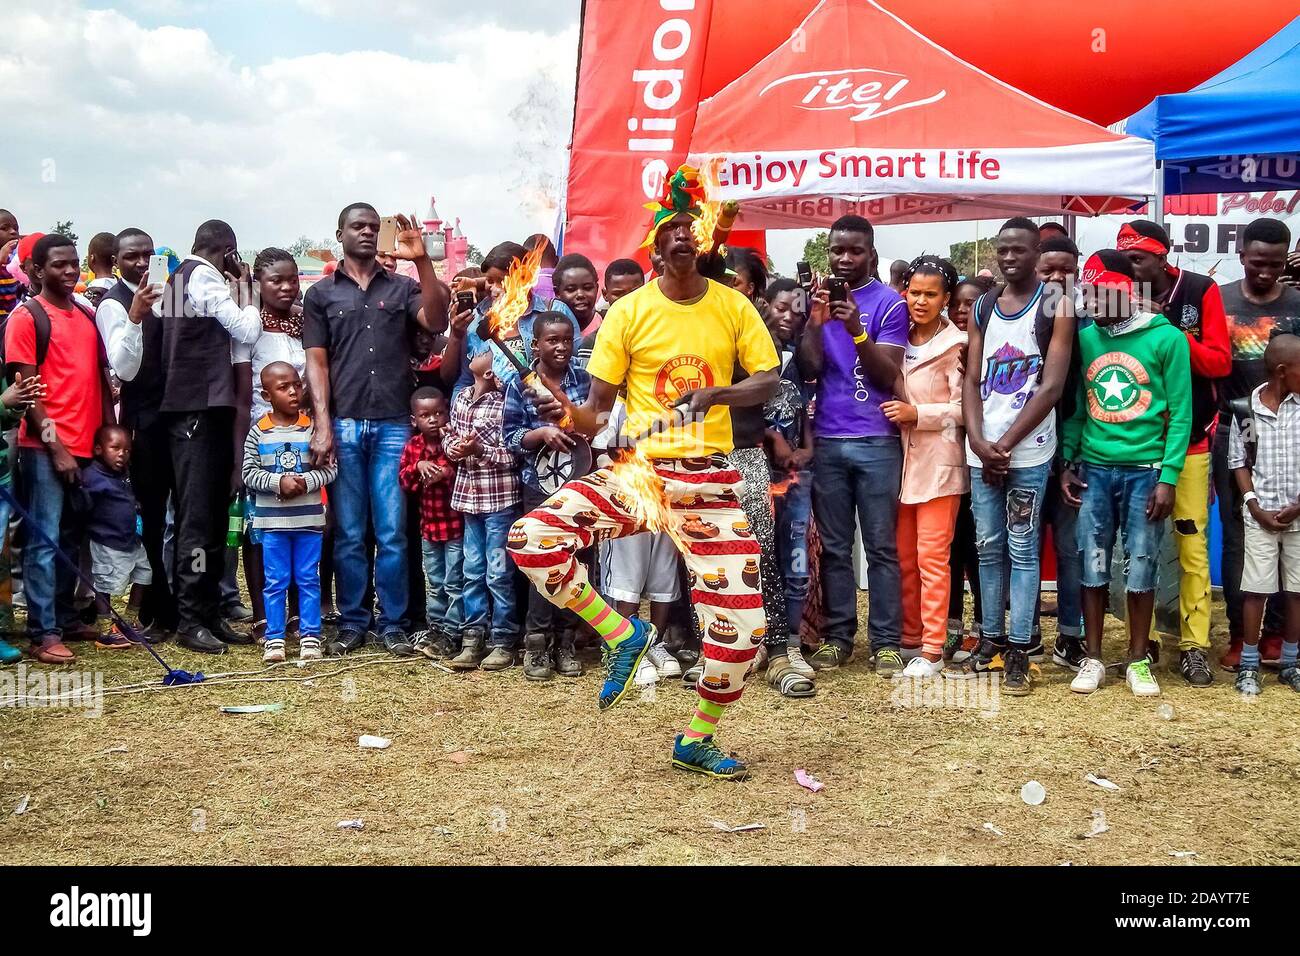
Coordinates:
[1115,501]
[1008,524]
[793,511]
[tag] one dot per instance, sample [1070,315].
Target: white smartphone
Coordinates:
[157,270]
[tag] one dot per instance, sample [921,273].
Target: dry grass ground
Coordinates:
[487,768]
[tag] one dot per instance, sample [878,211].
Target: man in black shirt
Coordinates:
[358,373]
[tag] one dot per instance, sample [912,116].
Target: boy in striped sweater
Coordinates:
[288,510]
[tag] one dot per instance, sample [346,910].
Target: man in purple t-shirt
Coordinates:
[854,349]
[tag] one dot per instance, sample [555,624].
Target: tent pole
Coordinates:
[1071,226]
[1158,214]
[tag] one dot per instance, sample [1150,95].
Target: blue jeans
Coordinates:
[1008,525]
[793,509]
[489,590]
[366,491]
[48,582]
[1069,572]
[856,481]
[292,557]
[442,584]
[1116,501]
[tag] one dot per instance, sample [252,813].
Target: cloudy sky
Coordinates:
[162,113]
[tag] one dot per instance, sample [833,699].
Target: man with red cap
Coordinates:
[1191,302]
[1124,447]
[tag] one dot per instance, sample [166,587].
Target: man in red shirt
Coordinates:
[56,437]
[1191,302]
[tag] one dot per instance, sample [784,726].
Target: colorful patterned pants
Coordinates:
[722,559]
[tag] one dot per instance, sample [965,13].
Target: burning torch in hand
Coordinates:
[540,387]
[712,261]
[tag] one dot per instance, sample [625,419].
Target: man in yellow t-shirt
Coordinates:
[673,345]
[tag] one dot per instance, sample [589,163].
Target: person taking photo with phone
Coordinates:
[855,355]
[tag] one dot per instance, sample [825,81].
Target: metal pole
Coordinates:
[1158,214]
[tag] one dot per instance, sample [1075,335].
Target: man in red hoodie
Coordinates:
[1191,302]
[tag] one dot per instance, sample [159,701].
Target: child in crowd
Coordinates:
[117,555]
[289,510]
[540,446]
[486,493]
[789,442]
[964,559]
[1123,449]
[14,401]
[928,414]
[1264,453]
[426,473]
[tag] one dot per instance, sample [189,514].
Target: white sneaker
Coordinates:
[1092,674]
[920,667]
[309,649]
[797,664]
[646,673]
[666,666]
[273,652]
[1140,680]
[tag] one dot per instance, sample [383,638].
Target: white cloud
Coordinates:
[161,128]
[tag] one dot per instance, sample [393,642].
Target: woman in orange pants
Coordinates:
[928,414]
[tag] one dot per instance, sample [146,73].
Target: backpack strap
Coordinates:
[41,327]
[1244,414]
[984,307]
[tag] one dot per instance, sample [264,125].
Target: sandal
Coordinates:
[787,681]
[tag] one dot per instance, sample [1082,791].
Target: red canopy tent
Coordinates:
[861,113]
[644,66]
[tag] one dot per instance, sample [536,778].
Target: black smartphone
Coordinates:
[838,288]
[804,271]
[465,301]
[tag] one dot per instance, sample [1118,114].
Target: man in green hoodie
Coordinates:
[1124,447]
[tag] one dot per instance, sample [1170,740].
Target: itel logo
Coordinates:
[870,94]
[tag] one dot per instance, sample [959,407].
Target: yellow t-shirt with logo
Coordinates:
[661,349]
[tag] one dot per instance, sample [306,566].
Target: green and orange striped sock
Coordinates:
[612,627]
[705,721]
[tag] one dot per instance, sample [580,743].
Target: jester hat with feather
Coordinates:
[683,193]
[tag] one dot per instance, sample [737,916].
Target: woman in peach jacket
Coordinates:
[928,414]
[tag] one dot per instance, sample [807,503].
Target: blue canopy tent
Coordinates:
[1237,131]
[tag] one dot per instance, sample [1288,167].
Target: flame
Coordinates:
[782,488]
[516,294]
[646,497]
[703,227]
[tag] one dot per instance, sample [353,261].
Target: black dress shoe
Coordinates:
[346,641]
[237,613]
[232,636]
[201,639]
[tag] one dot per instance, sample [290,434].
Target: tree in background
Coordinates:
[304,245]
[816,252]
[65,229]
[474,255]
[968,258]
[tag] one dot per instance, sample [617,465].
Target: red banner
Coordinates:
[638,87]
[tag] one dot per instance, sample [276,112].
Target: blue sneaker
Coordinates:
[704,757]
[621,663]
[8,653]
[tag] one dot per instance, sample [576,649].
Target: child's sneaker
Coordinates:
[1290,676]
[987,657]
[113,640]
[1248,682]
[1069,652]
[309,648]
[664,663]
[622,662]
[1140,681]
[8,653]
[704,756]
[1092,674]
[273,650]
[797,663]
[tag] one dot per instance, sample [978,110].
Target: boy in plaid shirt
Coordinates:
[549,630]
[1264,454]
[486,493]
[426,473]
